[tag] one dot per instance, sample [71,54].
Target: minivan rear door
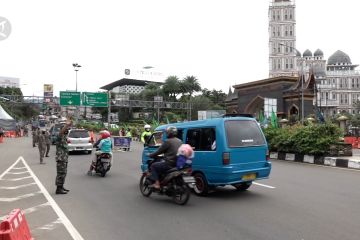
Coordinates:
[245,143]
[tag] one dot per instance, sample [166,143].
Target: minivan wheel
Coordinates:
[242,186]
[201,187]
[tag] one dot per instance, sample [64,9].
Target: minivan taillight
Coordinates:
[68,141]
[267,155]
[226,158]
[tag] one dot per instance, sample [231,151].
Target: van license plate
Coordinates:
[248,177]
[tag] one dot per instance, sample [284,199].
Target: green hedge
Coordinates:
[312,139]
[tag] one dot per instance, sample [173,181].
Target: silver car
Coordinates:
[79,140]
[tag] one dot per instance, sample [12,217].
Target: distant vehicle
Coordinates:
[79,140]
[54,132]
[230,150]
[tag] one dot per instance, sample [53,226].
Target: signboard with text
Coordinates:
[70,98]
[95,99]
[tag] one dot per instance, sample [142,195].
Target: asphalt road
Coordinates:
[299,201]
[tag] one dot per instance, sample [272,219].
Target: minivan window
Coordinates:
[155,139]
[202,139]
[78,134]
[243,133]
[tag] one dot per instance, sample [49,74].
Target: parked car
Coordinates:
[229,150]
[79,140]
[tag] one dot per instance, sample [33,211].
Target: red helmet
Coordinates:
[105,134]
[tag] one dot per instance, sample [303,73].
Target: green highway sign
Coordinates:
[70,98]
[95,99]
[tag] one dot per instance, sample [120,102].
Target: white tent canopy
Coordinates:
[4,115]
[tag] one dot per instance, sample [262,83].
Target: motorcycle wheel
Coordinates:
[182,197]
[144,186]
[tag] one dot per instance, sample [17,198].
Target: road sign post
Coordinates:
[95,99]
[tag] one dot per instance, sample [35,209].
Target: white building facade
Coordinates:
[282,38]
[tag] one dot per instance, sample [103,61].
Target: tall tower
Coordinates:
[282,39]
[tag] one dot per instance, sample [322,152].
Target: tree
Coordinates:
[171,87]
[216,96]
[189,85]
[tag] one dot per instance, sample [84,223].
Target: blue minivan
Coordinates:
[228,151]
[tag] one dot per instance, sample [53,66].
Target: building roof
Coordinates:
[127,81]
[318,52]
[307,53]
[266,81]
[339,57]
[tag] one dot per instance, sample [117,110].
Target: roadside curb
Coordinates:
[318,160]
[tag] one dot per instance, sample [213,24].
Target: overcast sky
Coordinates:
[221,42]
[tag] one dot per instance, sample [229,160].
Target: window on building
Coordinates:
[278,31]
[286,30]
[273,14]
[291,63]
[274,64]
[274,31]
[346,98]
[357,83]
[279,48]
[279,64]
[286,14]
[334,96]
[353,83]
[286,63]
[290,14]
[291,30]
[278,15]
[327,96]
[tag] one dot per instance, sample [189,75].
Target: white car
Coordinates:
[79,140]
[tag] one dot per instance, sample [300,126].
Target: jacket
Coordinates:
[169,148]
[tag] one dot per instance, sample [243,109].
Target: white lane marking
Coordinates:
[17,173]
[263,185]
[17,187]
[30,210]
[50,226]
[15,179]
[7,170]
[68,225]
[19,168]
[19,197]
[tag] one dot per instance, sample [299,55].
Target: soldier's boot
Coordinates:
[60,190]
[67,190]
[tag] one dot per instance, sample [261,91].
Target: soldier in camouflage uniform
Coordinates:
[41,145]
[34,137]
[48,143]
[62,154]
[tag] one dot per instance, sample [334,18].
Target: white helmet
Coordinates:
[147,126]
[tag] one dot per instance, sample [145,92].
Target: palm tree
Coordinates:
[172,87]
[190,84]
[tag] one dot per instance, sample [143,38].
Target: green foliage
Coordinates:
[312,139]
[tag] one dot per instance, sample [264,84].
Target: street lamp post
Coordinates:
[76,68]
[302,80]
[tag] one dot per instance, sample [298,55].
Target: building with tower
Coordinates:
[282,38]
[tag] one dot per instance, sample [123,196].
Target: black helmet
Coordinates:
[171,131]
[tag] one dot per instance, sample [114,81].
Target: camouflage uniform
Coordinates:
[34,138]
[41,146]
[62,154]
[48,142]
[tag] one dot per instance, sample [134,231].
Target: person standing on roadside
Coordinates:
[34,137]
[48,142]
[62,155]
[42,145]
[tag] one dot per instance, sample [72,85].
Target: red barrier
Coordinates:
[352,140]
[15,227]
[1,139]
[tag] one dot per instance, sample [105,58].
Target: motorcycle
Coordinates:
[175,183]
[103,164]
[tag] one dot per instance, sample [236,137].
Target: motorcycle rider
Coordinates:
[146,134]
[104,144]
[170,149]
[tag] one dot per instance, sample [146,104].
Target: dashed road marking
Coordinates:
[263,185]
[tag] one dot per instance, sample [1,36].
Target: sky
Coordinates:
[221,42]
